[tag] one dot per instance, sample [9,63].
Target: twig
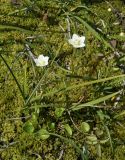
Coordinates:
[73,122]
[68,27]
[18,118]
[29,51]
[8,145]
[31,56]
[61,154]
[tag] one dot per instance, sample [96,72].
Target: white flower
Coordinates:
[77,41]
[122,34]
[41,61]
[109,9]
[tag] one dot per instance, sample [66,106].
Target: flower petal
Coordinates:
[41,60]
[82,38]
[46,58]
[77,41]
[75,37]
[41,57]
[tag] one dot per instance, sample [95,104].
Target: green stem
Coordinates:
[110,139]
[38,84]
[13,77]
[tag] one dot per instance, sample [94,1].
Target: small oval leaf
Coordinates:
[59,112]
[92,138]
[104,141]
[85,127]
[28,127]
[43,134]
[52,125]
[68,129]
[91,143]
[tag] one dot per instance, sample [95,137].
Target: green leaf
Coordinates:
[104,141]
[43,134]
[101,115]
[59,112]
[85,127]
[119,115]
[64,89]
[117,37]
[110,139]
[28,127]
[17,10]
[94,102]
[14,77]
[7,27]
[68,129]
[99,152]
[34,120]
[92,139]
[25,86]
[52,125]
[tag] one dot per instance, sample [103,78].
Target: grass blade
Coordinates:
[119,115]
[13,77]
[7,27]
[77,86]
[94,102]
[110,139]
[117,37]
